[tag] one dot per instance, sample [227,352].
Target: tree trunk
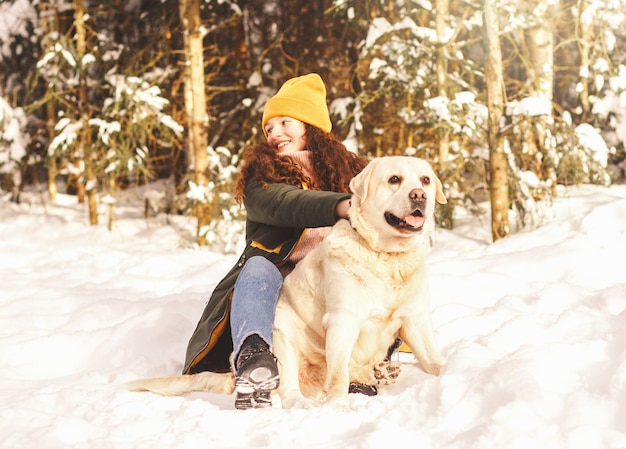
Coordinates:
[89,183]
[541,47]
[53,169]
[49,24]
[584,37]
[499,188]
[441,14]
[187,93]
[111,181]
[198,118]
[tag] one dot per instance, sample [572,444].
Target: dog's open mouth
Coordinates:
[411,223]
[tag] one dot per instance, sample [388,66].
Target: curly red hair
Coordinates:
[333,165]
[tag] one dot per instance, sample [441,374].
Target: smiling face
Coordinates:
[394,200]
[286,134]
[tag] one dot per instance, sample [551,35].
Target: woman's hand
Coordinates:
[342,208]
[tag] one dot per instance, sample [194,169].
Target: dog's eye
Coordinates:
[425,180]
[395,179]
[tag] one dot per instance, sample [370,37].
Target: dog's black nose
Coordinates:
[417,195]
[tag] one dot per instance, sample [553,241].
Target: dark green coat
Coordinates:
[276,219]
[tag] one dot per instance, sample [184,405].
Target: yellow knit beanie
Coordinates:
[302,98]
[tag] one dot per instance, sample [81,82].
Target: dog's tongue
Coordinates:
[414,222]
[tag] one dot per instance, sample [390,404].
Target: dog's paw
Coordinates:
[433,368]
[297,401]
[339,403]
[386,373]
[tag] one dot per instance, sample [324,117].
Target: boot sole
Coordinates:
[254,385]
[255,394]
[257,399]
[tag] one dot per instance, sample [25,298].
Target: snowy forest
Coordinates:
[506,99]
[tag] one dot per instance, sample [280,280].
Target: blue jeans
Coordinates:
[254,301]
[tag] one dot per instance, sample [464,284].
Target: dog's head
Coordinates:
[393,202]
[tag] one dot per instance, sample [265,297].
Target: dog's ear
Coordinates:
[439,195]
[359,185]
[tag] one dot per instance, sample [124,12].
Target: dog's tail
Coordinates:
[223,383]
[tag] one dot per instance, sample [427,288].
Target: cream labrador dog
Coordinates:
[361,288]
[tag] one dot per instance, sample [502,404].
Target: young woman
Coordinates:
[294,187]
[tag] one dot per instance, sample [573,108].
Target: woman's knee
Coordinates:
[260,267]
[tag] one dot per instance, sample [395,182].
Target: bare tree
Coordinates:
[50,24]
[441,15]
[584,37]
[498,169]
[541,49]
[89,183]
[195,104]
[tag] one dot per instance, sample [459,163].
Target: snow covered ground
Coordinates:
[533,328]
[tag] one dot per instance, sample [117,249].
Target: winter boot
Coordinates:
[367,390]
[256,374]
